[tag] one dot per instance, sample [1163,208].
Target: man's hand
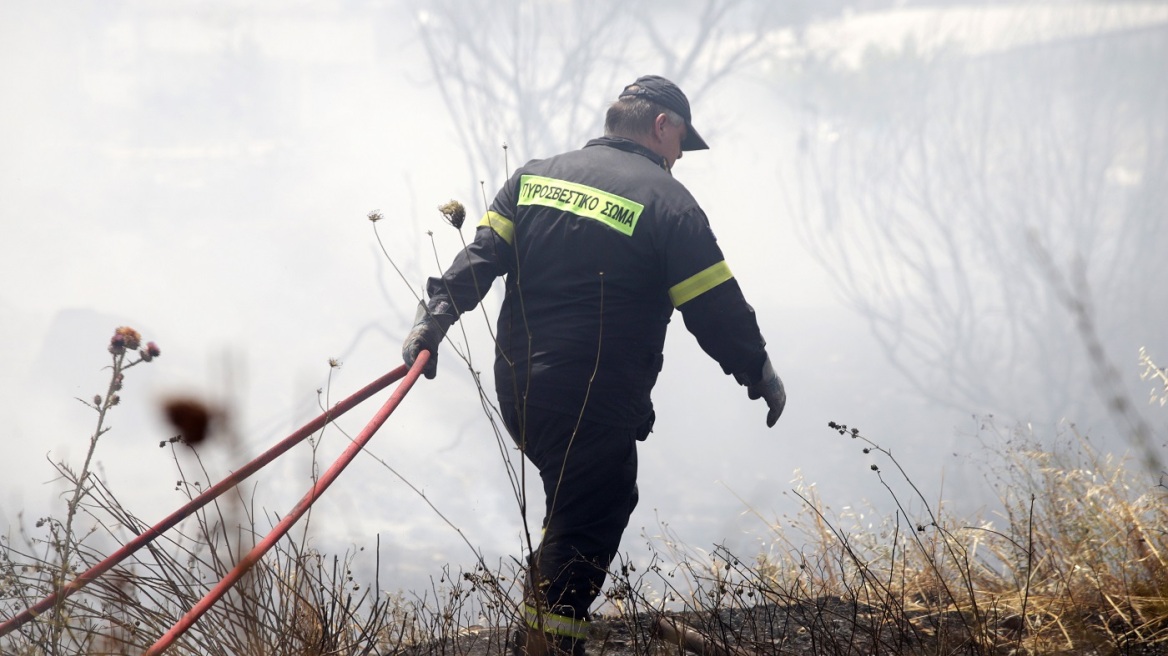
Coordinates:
[769,387]
[430,326]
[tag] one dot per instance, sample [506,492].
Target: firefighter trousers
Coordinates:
[589,475]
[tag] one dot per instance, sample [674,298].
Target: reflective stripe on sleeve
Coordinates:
[699,283]
[500,224]
[560,625]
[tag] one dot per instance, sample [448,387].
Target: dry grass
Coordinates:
[1075,563]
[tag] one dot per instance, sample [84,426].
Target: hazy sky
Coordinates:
[202,172]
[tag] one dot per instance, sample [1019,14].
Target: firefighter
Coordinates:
[598,247]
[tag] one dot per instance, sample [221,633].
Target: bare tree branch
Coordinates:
[922,177]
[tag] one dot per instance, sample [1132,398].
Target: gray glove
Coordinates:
[769,387]
[430,326]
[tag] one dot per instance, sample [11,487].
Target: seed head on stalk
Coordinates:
[454,213]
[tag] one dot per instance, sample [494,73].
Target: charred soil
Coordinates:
[824,626]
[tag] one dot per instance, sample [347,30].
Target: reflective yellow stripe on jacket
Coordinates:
[699,283]
[500,224]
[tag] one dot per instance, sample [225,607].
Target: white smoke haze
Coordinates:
[203,173]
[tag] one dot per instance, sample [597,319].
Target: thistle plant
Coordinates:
[126,351]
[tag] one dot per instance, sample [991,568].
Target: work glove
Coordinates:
[430,326]
[768,387]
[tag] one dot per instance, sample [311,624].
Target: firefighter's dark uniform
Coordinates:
[598,246]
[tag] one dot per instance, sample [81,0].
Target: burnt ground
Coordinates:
[825,626]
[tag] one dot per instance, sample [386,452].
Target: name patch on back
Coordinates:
[620,214]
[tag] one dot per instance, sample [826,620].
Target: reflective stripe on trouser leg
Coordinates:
[558,625]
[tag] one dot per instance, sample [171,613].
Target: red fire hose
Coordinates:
[305,503]
[231,481]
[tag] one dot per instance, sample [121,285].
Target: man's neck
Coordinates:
[643,142]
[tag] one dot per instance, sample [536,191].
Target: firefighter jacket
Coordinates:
[598,246]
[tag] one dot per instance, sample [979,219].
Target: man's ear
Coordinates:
[659,124]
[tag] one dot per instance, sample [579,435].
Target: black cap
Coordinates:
[665,93]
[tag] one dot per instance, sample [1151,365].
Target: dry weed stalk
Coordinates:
[295,601]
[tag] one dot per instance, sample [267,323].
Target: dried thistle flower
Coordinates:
[131,338]
[454,213]
[375,216]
